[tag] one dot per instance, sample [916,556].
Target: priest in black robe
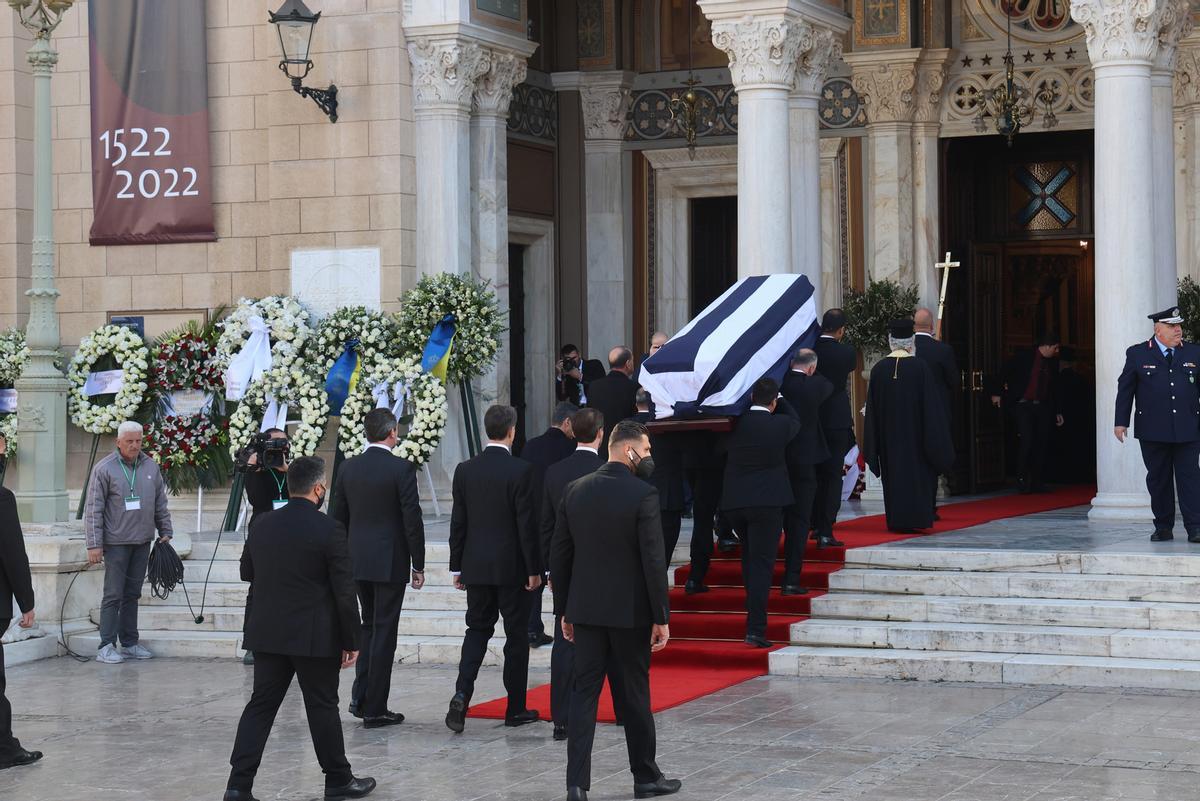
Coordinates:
[907,442]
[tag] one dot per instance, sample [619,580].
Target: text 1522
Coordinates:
[151,183]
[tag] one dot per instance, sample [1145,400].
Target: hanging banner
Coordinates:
[151,181]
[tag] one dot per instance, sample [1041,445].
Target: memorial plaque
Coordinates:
[327,280]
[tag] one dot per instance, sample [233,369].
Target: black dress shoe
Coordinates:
[386,719]
[353,710]
[830,542]
[793,589]
[560,731]
[726,546]
[521,718]
[538,640]
[663,786]
[238,795]
[694,588]
[1161,535]
[248,658]
[576,794]
[19,758]
[757,642]
[456,717]
[936,517]
[357,788]
[1194,536]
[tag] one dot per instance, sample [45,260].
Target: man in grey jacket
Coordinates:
[126,504]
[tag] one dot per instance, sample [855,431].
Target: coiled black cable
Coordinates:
[165,570]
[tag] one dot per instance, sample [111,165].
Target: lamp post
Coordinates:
[42,388]
[294,23]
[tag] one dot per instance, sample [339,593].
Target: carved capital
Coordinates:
[445,70]
[1187,75]
[825,49]
[927,91]
[1121,30]
[606,99]
[886,86]
[1176,25]
[763,50]
[494,90]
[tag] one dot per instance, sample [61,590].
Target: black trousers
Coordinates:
[797,519]
[829,481]
[536,626]
[707,484]
[629,649]
[760,527]
[487,603]
[1035,422]
[562,679]
[273,674]
[381,603]
[672,522]
[1171,464]
[8,744]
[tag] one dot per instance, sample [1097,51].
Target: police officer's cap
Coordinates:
[1169,316]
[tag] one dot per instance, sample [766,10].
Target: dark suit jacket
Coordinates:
[376,500]
[836,361]
[806,394]
[667,478]
[558,476]
[1017,372]
[940,358]
[305,599]
[543,451]
[15,580]
[493,526]
[606,561]
[756,468]
[615,397]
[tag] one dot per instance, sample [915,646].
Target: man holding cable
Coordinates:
[126,505]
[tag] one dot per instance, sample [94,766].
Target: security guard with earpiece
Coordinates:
[1161,376]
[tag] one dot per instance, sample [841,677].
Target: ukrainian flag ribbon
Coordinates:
[342,378]
[436,357]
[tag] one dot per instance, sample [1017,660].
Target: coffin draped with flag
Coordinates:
[749,332]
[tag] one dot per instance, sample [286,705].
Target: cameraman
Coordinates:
[568,372]
[266,486]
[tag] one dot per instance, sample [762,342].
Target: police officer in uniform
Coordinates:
[1161,375]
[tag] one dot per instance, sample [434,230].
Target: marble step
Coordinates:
[979,666]
[1109,587]
[207,644]
[1044,611]
[1167,563]
[229,571]
[234,594]
[1000,638]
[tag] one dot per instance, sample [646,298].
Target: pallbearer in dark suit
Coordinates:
[15,582]
[610,588]
[614,395]
[836,361]
[376,500]
[303,624]
[1030,394]
[1160,376]
[805,389]
[667,476]
[940,358]
[757,490]
[541,452]
[496,557]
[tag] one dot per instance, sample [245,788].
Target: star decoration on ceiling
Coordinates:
[966,62]
[1028,54]
[1048,55]
[987,61]
[1070,53]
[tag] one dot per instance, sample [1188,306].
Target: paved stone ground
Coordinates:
[162,730]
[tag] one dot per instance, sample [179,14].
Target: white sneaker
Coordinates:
[109,655]
[136,651]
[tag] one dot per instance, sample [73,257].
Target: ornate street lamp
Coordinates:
[42,388]
[294,23]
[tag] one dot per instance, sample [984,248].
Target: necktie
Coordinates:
[1170,357]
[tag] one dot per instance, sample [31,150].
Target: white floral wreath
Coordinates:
[131,356]
[14,354]
[295,387]
[424,400]
[287,322]
[375,332]
[479,323]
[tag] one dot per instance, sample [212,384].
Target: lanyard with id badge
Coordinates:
[281,501]
[132,501]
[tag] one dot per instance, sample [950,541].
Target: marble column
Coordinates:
[489,196]
[886,82]
[1122,41]
[1176,24]
[605,98]
[1187,157]
[927,96]
[804,144]
[831,224]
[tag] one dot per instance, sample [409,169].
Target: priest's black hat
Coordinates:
[901,329]
[1169,316]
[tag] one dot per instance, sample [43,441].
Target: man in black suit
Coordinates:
[376,500]
[756,491]
[610,588]
[15,582]
[667,476]
[496,558]
[805,389]
[836,361]
[541,452]
[303,624]
[588,427]
[614,395]
[940,358]
[1030,393]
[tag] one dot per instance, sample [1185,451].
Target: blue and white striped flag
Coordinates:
[749,332]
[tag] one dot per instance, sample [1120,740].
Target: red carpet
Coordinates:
[706,652]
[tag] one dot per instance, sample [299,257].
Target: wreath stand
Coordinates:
[88,478]
[470,420]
